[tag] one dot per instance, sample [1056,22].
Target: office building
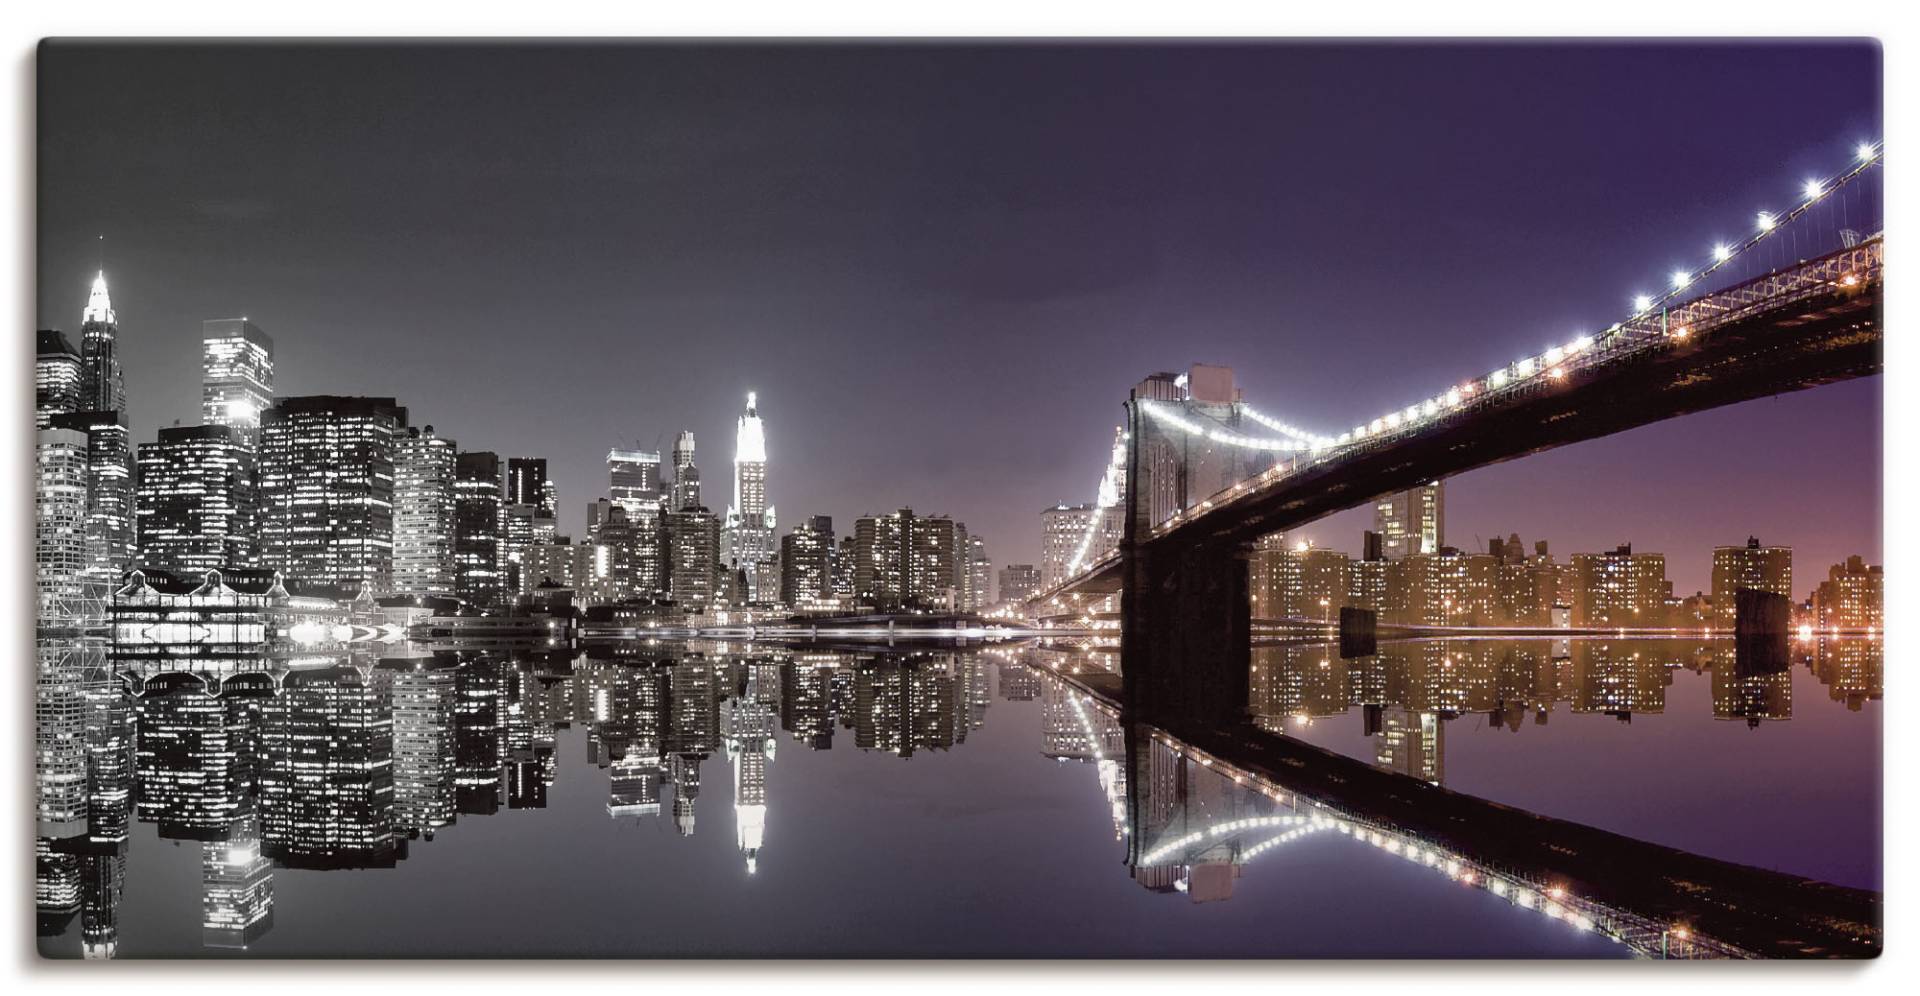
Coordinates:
[60,518]
[103,383]
[806,562]
[747,541]
[1411,521]
[58,381]
[1062,530]
[633,483]
[686,476]
[109,525]
[326,468]
[1760,568]
[195,506]
[1017,583]
[693,558]
[236,378]
[478,574]
[423,513]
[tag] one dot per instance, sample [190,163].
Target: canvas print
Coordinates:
[1016,499]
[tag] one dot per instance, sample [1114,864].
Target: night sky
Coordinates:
[941,267]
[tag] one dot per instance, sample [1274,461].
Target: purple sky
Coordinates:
[942,267]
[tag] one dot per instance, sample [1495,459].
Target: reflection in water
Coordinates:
[348,761]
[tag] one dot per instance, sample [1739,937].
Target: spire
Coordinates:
[99,306]
[750,438]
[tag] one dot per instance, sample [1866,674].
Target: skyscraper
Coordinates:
[908,561]
[103,385]
[326,489]
[693,557]
[195,505]
[633,482]
[686,477]
[1411,521]
[748,537]
[236,374]
[1762,568]
[423,513]
[110,528]
[60,517]
[478,573]
[806,561]
[58,381]
[1062,529]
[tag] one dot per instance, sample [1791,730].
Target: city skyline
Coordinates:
[994,473]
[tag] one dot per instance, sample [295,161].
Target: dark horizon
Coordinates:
[941,266]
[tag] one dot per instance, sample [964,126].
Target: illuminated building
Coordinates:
[58,382]
[103,384]
[1620,588]
[902,705]
[109,524]
[423,789]
[750,749]
[192,761]
[236,888]
[423,513]
[806,562]
[528,484]
[1019,683]
[1367,577]
[195,505]
[1303,582]
[326,469]
[60,743]
[806,707]
[1017,583]
[747,538]
[1853,597]
[102,884]
[693,732]
[1413,744]
[979,574]
[1062,528]
[686,476]
[478,575]
[904,561]
[326,772]
[634,489]
[236,380]
[1756,567]
[1618,680]
[1411,521]
[60,516]
[693,557]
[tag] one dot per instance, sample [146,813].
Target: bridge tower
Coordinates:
[1186,627]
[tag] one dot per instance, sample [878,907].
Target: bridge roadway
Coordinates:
[1817,323]
[1634,889]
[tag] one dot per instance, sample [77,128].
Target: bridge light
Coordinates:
[1558,373]
[1553,354]
[1681,278]
[1524,367]
[1498,378]
[1865,151]
[1766,221]
[1811,190]
[1722,252]
[1641,302]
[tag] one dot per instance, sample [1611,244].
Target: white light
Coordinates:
[1524,367]
[1811,190]
[1642,302]
[1681,278]
[1722,252]
[1498,378]
[1865,152]
[1765,221]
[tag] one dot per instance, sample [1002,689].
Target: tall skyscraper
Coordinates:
[236,374]
[633,482]
[110,527]
[686,476]
[693,557]
[478,575]
[806,562]
[423,513]
[1762,568]
[1062,529]
[103,385]
[979,574]
[908,561]
[528,484]
[195,504]
[59,384]
[1411,521]
[326,489]
[748,537]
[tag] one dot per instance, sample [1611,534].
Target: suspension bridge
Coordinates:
[1197,474]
